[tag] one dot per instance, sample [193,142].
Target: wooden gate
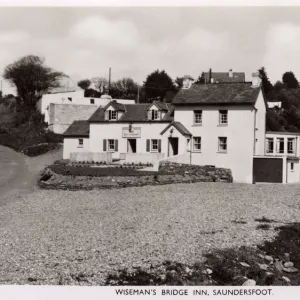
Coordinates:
[267,169]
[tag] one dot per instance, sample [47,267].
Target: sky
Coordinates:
[84,42]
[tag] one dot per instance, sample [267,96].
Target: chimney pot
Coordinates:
[230,73]
[256,79]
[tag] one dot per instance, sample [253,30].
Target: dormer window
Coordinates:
[112,115]
[154,114]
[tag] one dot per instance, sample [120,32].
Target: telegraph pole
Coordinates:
[138,95]
[109,78]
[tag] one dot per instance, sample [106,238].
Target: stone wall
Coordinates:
[61,116]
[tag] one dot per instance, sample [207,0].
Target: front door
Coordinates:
[131,145]
[173,146]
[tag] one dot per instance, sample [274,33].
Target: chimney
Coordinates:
[187,81]
[230,73]
[256,80]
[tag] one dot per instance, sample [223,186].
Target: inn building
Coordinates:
[219,124]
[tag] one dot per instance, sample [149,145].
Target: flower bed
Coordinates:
[67,177]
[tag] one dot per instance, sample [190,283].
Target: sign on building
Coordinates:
[131,132]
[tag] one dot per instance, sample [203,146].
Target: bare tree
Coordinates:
[101,84]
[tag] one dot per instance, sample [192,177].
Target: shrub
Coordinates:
[40,149]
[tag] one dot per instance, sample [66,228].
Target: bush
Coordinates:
[39,149]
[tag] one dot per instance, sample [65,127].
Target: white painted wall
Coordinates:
[239,133]
[72,145]
[260,125]
[111,130]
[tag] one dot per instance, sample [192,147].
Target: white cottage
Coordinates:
[220,124]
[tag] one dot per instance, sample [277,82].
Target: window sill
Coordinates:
[80,147]
[222,152]
[196,125]
[196,151]
[153,151]
[222,125]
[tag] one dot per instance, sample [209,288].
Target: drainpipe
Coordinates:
[191,151]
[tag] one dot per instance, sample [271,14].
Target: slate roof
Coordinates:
[133,113]
[212,94]
[179,126]
[116,105]
[78,129]
[224,77]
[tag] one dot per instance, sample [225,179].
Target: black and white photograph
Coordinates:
[150,146]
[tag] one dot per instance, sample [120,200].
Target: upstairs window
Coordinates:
[223,117]
[291,146]
[280,145]
[198,117]
[112,115]
[270,145]
[153,114]
[222,144]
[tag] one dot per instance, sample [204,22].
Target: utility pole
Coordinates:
[138,95]
[109,78]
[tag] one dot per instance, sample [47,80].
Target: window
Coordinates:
[292,167]
[270,145]
[223,117]
[92,101]
[222,144]
[291,146]
[112,115]
[197,143]
[198,117]
[70,99]
[154,114]
[280,145]
[80,143]
[154,145]
[111,145]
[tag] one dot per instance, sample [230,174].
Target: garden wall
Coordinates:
[91,157]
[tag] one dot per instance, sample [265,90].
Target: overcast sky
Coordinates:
[85,42]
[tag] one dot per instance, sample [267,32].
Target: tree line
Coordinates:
[32,78]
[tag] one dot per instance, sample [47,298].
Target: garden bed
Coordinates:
[63,175]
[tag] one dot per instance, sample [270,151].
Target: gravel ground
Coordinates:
[61,237]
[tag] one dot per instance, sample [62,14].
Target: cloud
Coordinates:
[108,33]
[282,50]
[13,37]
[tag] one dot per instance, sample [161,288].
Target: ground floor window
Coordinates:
[80,143]
[222,144]
[270,145]
[197,143]
[292,166]
[110,145]
[153,145]
[280,145]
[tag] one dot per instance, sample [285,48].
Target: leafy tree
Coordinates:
[91,93]
[32,78]
[278,86]
[179,82]
[157,84]
[84,84]
[266,84]
[201,79]
[289,80]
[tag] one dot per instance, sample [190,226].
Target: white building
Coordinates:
[220,124]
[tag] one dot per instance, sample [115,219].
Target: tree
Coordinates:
[32,78]
[124,88]
[289,80]
[201,79]
[278,86]
[84,84]
[101,84]
[266,84]
[157,84]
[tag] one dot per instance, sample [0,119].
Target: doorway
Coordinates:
[131,145]
[173,146]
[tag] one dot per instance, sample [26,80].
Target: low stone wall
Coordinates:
[184,174]
[91,157]
[143,157]
[213,173]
